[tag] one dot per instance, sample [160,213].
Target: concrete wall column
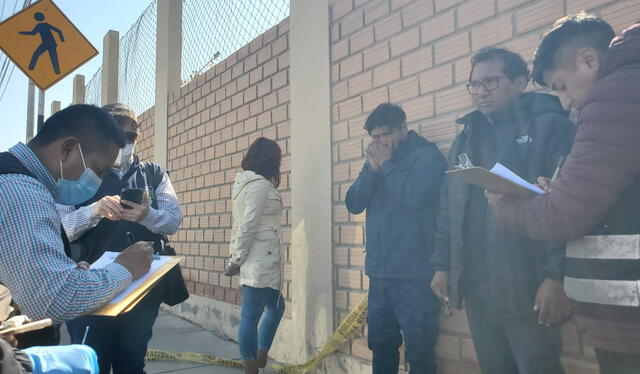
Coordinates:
[55,107]
[78,89]
[310,112]
[168,65]
[110,58]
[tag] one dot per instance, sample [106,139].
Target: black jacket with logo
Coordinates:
[529,138]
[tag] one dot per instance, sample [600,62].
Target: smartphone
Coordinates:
[131,194]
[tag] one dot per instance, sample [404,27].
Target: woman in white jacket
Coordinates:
[255,250]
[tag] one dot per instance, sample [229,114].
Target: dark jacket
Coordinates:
[598,189]
[531,138]
[13,361]
[401,204]
[112,235]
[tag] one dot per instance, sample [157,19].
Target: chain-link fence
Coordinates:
[93,89]
[137,64]
[213,30]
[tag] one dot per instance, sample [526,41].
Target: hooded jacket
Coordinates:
[401,200]
[598,190]
[255,237]
[530,137]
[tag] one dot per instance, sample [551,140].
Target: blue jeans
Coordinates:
[254,302]
[402,309]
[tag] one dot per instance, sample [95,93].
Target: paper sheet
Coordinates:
[504,172]
[108,257]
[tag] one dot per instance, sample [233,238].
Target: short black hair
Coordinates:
[514,64]
[93,126]
[122,114]
[568,34]
[385,115]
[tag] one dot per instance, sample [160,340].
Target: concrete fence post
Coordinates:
[168,65]
[110,57]
[55,107]
[78,89]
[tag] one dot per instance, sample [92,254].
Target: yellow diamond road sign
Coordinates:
[44,43]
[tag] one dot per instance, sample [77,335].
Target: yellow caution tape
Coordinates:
[349,326]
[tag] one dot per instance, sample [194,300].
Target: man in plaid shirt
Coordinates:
[63,163]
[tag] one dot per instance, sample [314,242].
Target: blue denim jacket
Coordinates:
[401,200]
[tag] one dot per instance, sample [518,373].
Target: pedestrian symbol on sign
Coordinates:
[48,42]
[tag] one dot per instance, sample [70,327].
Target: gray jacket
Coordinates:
[539,134]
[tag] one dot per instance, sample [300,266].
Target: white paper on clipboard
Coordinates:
[504,172]
[108,257]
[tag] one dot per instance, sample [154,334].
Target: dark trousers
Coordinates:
[617,363]
[120,342]
[402,308]
[522,347]
[43,337]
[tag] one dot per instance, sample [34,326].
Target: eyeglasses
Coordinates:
[131,136]
[488,84]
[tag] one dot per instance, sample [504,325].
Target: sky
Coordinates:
[93,18]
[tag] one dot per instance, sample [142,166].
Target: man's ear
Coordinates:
[589,58]
[67,145]
[522,82]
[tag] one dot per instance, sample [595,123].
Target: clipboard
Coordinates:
[31,326]
[490,181]
[129,302]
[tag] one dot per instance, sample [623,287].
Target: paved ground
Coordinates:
[175,334]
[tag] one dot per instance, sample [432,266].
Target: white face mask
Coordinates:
[125,154]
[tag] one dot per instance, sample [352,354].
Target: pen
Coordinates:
[557,171]
[86,332]
[131,237]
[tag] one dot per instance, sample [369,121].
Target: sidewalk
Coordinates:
[174,334]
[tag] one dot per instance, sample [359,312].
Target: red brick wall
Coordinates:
[212,122]
[416,53]
[144,147]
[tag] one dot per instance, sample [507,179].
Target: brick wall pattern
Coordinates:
[144,147]
[415,53]
[212,121]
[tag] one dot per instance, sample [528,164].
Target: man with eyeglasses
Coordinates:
[107,222]
[512,286]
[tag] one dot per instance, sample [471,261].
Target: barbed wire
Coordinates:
[213,30]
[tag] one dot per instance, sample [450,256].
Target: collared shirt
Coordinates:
[43,281]
[164,221]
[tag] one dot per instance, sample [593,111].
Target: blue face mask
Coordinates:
[78,191]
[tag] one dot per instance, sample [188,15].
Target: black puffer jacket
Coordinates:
[539,133]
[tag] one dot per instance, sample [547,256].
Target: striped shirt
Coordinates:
[43,281]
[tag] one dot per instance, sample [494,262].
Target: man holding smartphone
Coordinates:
[136,202]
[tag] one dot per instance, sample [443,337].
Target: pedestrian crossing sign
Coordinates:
[44,44]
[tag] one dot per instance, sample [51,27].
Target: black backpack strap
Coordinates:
[9,164]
